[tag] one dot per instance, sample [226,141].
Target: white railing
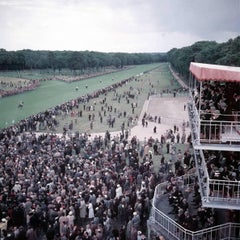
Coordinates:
[212,131]
[216,193]
[224,191]
[174,230]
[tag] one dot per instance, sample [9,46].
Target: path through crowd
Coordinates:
[171,112]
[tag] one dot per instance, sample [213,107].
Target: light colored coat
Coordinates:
[90,211]
[83,209]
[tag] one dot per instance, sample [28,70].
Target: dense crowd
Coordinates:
[189,212]
[12,88]
[68,189]
[218,100]
[55,187]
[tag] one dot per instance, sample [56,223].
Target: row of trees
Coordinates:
[227,53]
[74,60]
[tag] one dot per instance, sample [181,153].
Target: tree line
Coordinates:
[227,53]
[74,60]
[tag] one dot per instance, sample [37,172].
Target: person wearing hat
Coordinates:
[119,192]
[136,220]
[90,211]
[70,220]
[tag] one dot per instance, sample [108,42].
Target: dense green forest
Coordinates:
[74,60]
[227,53]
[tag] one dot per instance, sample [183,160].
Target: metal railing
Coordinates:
[212,131]
[216,193]
[225,192]
[174,230]
[224,131]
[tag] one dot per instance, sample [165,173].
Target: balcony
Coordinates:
[213,134]
[215,193]
[160,223]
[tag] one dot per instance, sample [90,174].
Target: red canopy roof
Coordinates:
[203,71]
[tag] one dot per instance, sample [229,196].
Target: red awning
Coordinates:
[203,71]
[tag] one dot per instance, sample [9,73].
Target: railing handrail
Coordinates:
[184,231]
[198,231]
[203,112]
[224,181]
[213,121]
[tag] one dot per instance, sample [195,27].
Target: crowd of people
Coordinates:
[12,88]
[87,75]
[218,100]
[68,189]
[47,120]
[55,187]
[189,212]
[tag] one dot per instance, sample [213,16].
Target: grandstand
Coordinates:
[214,117]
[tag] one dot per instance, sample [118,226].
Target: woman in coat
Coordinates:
[90,211]
[82,211]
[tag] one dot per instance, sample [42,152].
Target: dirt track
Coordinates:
[171,111]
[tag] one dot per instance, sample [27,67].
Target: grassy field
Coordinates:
[52,93]
[156,81]
[44,74]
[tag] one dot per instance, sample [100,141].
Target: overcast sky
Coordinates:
[115,25]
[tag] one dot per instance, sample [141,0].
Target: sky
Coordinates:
[116,25]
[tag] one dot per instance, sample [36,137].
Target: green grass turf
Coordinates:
[52,93]
[40,74]
[153,82]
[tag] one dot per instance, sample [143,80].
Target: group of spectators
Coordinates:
[219,103]
[73,189]
[47,120]
[223,165]
[55,187]
[11,88]
[219,100]
[87,75]
[189,212]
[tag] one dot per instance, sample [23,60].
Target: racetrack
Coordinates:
[52,93]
